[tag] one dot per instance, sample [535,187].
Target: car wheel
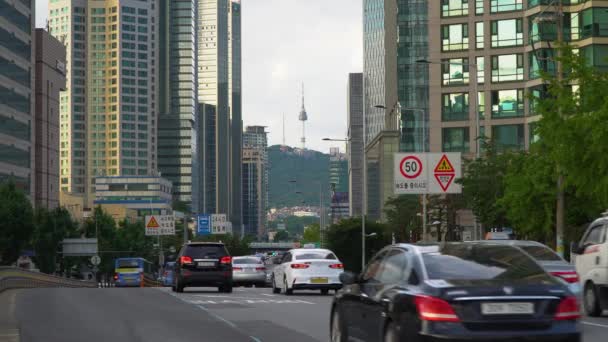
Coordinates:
[390,333]
[325,292]
[338,332]
[590,302]
[227,289]
[288,291]
[179,288]
[275,289]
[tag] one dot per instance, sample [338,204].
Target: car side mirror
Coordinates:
[575,248]
[348,278]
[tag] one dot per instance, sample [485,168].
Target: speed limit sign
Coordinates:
[410,167]
[410,173]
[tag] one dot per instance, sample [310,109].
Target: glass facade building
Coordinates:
[177,133]
[17,136]
[109,112]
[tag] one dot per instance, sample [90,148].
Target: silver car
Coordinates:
[550,261]
[248,271]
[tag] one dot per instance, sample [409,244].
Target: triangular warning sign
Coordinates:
[444,165]
[444,180]
[153,223]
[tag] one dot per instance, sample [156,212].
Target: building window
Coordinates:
[455,107]
[480,64]
[594,22]
[454,8]
[542,60]
[479,7]
[507,68]
[596,55]
[455,71]
[505,5]
[507,33]
[542,30]
[508,137]
[455,139]
[455,37]
[481,104]
[507,103]
[479,35]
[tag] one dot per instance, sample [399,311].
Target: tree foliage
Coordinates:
[281,235]
[51,227]
[402,215]
[16,226]
[311,234]
[235,245]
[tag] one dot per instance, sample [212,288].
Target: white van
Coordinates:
[591,259]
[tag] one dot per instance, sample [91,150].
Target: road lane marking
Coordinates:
[268,295]
[247,301]
[595,324]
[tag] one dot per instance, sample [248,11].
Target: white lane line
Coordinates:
[595,324]
[268,295]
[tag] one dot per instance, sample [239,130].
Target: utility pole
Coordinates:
[560,205]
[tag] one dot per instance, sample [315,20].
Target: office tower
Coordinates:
[255,164]
[17,136]
[219,85]
[354,147]
[207,154]
[178,155]
[49,81]
[253,192]
[338,170]
[380,106]
[109,111]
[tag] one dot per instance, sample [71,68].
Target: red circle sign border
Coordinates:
[404,160]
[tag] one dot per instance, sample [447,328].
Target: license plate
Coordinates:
[206,264]
[318,280]
[507,308]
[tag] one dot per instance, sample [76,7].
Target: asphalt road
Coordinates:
[199,314]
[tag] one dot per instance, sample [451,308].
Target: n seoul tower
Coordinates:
[303,117]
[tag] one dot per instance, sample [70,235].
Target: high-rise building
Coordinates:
[219,84]
[17,138]
[207,153]
[49,81]
[254,213]
[354,148]
[380,105]
[178,155]
[338,170]
[109,112]
[255,138]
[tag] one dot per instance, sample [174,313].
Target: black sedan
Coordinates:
[454,292]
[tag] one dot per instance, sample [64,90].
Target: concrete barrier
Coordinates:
[16,278]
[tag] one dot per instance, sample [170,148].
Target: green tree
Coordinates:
[344,239]
[102,226]
[51,227]
[235,245]
[311,234]
[402,215]
[16,226]
[281,235]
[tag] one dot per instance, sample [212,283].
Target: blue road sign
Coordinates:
[204,225]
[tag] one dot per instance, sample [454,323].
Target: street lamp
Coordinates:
[475,106]
[371,235]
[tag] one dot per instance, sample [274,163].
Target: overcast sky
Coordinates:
[285,43]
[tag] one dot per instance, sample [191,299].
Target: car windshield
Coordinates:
[205,251]
[244,261]
[475,262]
[127,264]
[541,253]
[316,255]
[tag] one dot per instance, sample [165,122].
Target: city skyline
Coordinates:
[320,53]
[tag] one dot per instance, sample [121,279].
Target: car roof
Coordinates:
[433,247]
[513,242]
[305,250]
[603,219]
[246,257]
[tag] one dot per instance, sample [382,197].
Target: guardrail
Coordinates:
[17,278]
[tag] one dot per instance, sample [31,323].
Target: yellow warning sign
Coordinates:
[444,165]
[152,223]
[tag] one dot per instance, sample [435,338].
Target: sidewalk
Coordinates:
[9,328]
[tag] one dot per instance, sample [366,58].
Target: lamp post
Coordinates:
[475,108]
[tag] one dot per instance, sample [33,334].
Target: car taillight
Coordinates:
[336,266]
[226,260]
[237,268]
[115,276]
[570,277]
[260,268]
[300,266]
[567,309]
[435,309]
[185,260]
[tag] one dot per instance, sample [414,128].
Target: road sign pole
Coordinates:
[424,225]
[185,230]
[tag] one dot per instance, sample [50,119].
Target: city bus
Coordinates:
[132,271]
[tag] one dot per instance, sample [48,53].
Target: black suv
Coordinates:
[203,264]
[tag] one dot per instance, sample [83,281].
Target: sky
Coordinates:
[286,43]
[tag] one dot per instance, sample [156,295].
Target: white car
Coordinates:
[307,269]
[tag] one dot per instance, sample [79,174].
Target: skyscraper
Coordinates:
[17,94]
[354,148]
[219,85]
[50,80]
[108,114]
[255,179]
[178,151]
